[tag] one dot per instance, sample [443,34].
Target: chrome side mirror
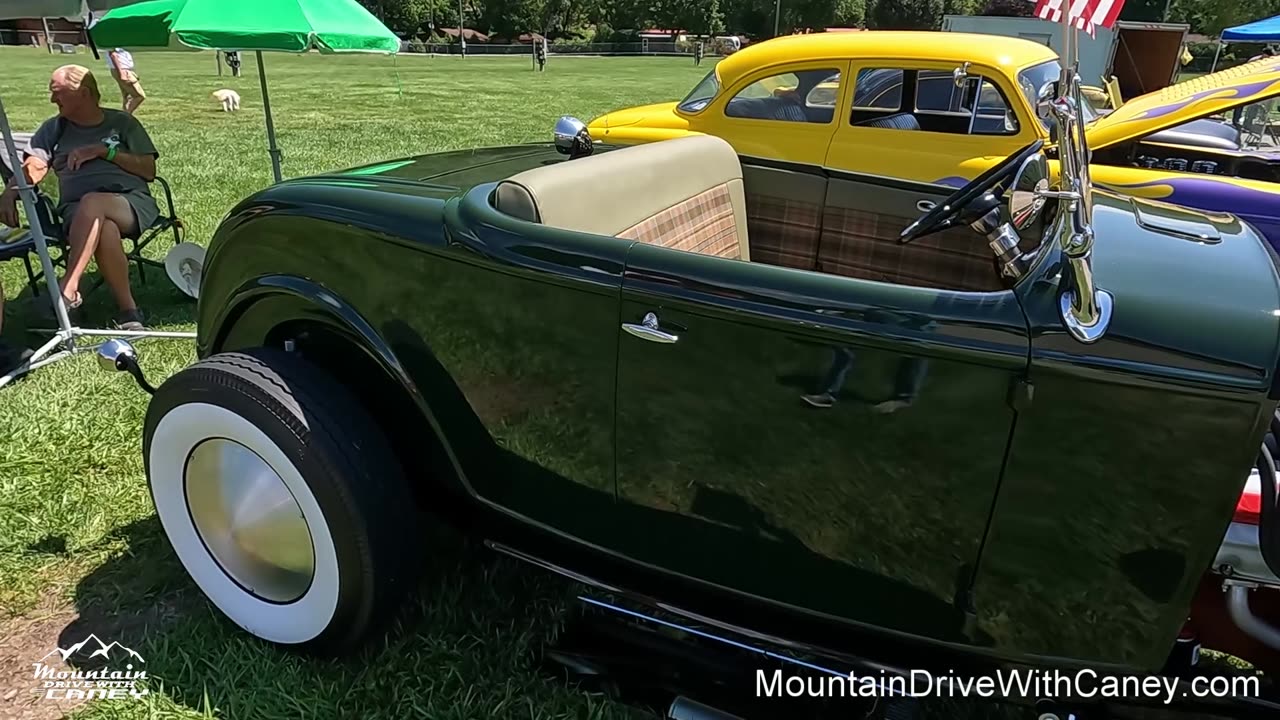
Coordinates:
[572,138]
[1027,191]
[960,75]
[1044,100]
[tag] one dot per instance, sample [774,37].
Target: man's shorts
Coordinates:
[145,212]
[128,82]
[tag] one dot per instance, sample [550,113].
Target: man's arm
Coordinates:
[33,168]
[144,166]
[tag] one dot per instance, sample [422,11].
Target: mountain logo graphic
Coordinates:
[98,648]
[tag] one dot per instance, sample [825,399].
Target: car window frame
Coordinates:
[994,76]
[727,94]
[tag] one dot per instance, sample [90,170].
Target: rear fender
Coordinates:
[394,368]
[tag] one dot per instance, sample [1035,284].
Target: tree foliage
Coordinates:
[593,19]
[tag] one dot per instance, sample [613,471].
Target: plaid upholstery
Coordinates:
[702,224]
[861,244]
[783,232]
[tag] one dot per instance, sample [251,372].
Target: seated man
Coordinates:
[103,159]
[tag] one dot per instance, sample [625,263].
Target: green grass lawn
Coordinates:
[80,547]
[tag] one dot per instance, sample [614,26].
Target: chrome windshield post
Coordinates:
[1085,309]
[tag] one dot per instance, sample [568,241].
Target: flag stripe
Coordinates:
[1085,14]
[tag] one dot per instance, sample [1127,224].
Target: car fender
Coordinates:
[273,308]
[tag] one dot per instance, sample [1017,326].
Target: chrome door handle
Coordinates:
[648,330]
[925,206]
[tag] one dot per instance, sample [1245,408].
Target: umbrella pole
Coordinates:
[271,128]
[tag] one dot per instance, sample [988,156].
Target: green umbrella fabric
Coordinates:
[269,25]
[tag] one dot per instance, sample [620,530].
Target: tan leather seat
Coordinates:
[685,194]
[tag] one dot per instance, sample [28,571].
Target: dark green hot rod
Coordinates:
[760,396]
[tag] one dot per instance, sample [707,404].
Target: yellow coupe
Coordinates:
[940,108]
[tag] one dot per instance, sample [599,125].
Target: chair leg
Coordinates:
[31,274]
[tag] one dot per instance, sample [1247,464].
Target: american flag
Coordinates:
[1087,14]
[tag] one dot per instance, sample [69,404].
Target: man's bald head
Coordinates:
[74,90]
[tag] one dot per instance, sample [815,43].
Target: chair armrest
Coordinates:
[168,192]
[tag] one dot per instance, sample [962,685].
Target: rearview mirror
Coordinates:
[960,74]
[1027,191]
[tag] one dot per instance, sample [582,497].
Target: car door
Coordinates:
[786,112]
[912,121]
[827,443]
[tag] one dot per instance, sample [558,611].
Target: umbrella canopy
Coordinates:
[275,25]
[295,26]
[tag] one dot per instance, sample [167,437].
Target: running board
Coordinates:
[634,648]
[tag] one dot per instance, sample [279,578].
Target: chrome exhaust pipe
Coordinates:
[682,708]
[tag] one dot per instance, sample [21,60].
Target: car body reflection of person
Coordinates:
[908,377]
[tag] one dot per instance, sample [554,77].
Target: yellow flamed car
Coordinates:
[939,108]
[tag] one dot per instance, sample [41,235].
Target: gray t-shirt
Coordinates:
[57,137]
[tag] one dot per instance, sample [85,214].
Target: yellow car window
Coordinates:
[800,96]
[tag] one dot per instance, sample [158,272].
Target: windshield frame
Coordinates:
[697,100]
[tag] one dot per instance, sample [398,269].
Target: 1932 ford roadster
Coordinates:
[1012,433]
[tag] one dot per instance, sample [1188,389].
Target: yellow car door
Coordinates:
[783,112]
[928,122]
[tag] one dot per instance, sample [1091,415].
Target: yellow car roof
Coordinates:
[991,50]
[1186,101]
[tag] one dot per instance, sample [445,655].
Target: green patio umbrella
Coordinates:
[296,26]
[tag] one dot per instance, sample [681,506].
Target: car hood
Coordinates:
[1175,105]
[658,115]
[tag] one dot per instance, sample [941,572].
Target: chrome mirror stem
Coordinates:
[1085,310]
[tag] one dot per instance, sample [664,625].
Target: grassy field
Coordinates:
[80,548]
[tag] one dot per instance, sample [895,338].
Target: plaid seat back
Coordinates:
[702,224]
[783,231]
[863,244]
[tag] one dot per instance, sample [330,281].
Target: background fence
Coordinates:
[37,37]
[565,48]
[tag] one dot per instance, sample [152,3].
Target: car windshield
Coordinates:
[701,94]
[1035,77]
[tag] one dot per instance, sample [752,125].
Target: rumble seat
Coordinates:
[686,194]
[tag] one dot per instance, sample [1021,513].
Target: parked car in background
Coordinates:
[934,108]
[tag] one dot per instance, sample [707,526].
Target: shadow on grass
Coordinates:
[463,646]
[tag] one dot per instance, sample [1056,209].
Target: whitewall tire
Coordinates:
[280,498]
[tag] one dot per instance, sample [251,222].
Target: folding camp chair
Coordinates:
[23,245]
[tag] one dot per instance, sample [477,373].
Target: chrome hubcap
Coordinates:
[249,521]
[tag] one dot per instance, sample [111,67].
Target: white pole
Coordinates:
[1216,53]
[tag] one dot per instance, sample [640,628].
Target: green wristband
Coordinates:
[111,153]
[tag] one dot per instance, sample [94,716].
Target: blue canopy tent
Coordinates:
[1258,31]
